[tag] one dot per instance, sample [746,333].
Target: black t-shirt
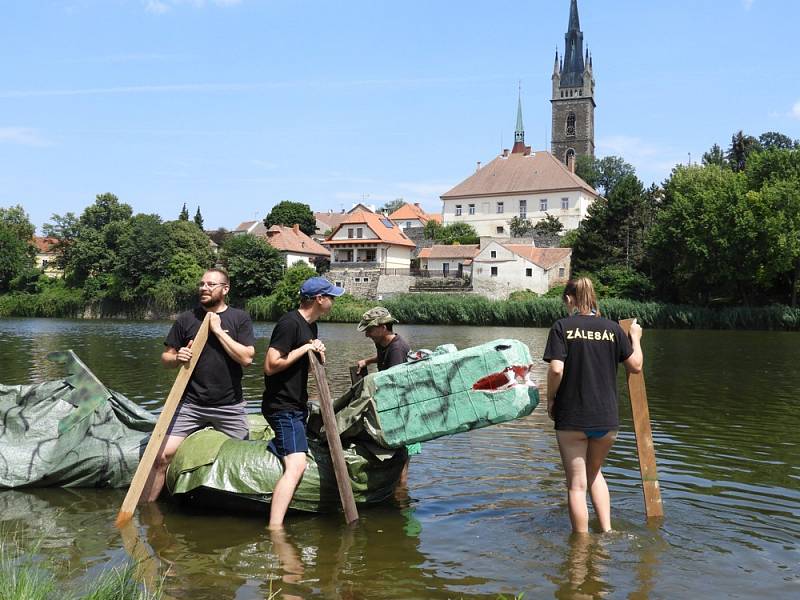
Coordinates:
[217,378]
[396,353]
[288,389]
[591,349]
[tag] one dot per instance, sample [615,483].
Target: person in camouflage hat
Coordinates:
[390,348]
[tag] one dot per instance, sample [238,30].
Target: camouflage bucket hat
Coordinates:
[375,316]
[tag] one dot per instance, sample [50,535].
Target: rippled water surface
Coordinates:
[484,512]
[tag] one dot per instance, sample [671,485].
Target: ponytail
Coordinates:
[581,291]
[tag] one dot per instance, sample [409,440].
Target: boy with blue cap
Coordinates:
[284,403]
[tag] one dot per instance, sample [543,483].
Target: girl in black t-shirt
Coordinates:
[584,351]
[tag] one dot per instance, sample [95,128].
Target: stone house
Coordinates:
[499,269]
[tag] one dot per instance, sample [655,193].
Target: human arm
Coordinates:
[362,364]
[555,373]
[633,364]
[241,353]
[174,357]
[278,360]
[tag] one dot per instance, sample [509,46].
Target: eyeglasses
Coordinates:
[210,285]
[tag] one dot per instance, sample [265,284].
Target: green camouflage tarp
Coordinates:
[427,399]
[73,432]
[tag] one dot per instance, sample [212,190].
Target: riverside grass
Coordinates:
[25,576]
[465,309]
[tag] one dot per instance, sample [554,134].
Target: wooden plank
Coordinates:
[159,434]
[356,375]
[334,443]
[644,439]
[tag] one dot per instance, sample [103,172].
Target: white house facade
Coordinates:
[500,269]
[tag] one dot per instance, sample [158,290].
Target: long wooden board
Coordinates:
[334,443]
[159,434]
[644,439]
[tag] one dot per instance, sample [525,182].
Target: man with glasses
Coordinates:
[213,395]
[285,399]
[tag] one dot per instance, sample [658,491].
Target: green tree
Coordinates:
[459,233]
[612,170]
[16,250]
[392,206]
[64,229]
[520,227]
[714,156]
[550,225]
[778,141]
[106,209]
[613,232]
[198,219]
[143,258]
[17,221]
[184,214]
[742,146]
[287,292]
[289,213]
[186,238]
[432,230]
[586,168]
[255,267]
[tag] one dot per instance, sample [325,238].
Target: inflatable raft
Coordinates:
[75,432]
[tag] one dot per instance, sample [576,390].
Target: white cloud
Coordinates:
[23,136]
[156,7]
[748,4]
[795,114]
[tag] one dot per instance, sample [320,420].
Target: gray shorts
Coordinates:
[230,419]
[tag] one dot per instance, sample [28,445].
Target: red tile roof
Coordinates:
[543,257]
[387,235]
[44,244]
[291,239]
[520,173]
[413,211]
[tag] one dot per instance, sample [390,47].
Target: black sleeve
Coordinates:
[624,347]
[244,331]
[396,355]
[284,336]
[175,336]
[556,348]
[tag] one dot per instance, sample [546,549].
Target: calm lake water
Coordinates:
[485,511]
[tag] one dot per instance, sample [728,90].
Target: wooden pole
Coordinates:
[334,443]
[160,430]
[355,374]
[644,438]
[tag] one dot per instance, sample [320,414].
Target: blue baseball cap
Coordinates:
[319,286]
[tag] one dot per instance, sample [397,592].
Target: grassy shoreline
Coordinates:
[440,309]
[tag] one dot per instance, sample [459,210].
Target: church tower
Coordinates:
[573,96]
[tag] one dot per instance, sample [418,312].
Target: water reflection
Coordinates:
[484,512]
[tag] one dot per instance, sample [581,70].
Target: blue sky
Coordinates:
[234,105]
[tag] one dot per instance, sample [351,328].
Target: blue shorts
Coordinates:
[596,433]
[290,432]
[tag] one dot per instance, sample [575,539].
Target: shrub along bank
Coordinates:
[522,310]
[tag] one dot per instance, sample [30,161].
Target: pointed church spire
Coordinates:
[519,133]
[556,65]
[572,71]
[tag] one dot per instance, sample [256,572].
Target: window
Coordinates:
[408,224]
[339,284]
[458,210]
[494,271]
[543,204]
[528,272]
[500,208]
[571,124]
[570,155]
[350,233]
[561,271]
[472,209]
[366,279]
[501,229]
[523,209]
[564,203]
[493,254]
[360,232]
[358,279]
